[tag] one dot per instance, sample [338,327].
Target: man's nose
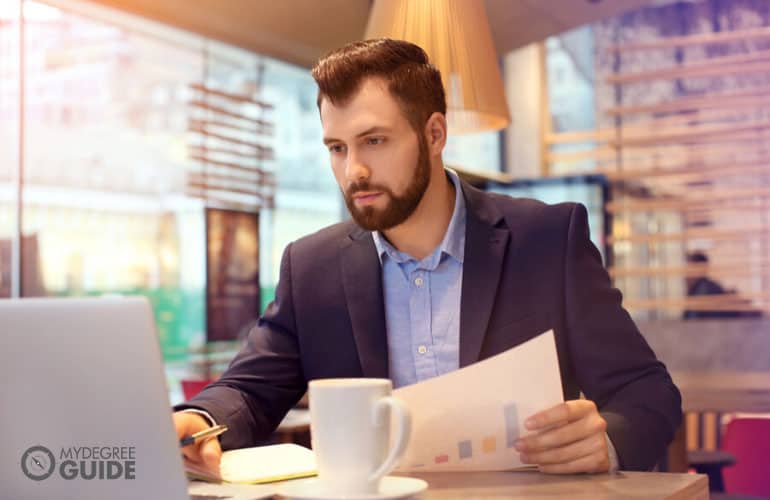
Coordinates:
[355,168]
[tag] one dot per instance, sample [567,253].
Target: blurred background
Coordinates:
[172,149]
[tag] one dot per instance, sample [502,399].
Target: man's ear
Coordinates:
[435,133]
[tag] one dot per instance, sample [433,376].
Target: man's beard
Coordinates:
[399,208]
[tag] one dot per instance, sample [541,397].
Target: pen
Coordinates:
[206,433]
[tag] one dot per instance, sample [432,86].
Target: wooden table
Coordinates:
[623,485]
[512,485]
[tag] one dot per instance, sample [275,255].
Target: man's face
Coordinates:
[380,163]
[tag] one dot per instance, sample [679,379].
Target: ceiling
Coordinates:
[301,31]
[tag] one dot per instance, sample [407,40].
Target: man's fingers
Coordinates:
[565,454]
[590,463]
[207,453]
[556,415]
[211,454]
[192,453]
[564,435]
[560,414]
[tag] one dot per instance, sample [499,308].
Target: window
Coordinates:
[9,136]
[104,204]
[109,153]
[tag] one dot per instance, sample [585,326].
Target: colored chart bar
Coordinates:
[465,449]
[511,414]
[489,444]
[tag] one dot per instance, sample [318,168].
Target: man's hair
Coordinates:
[697,256]
[411,79]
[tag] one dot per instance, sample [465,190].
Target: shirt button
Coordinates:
[422,349]
[418,281]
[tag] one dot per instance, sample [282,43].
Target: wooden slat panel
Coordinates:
[692,303]
[704,171]
[736,100]
[207,133]
[694,270]
[226,112]
[262,129]
[697,39]
[230,96]
[698,199]
[691,234]
[695,133]
[743,64]
[662,131]
[603,153]
[718,139]
[262,175]
[202,176]
[253,155]
[215,200]
[603,135]
[209,186]
[220,197]
[656,136]
[668,155]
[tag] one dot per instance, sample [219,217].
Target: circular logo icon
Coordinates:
[37,463]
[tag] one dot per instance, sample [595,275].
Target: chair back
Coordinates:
[190,388]
[749,440]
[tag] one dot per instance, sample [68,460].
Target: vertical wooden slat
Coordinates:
[545,111]
[692,429]
[709,431]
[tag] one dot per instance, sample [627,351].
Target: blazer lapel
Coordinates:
[362,281]
[485,246]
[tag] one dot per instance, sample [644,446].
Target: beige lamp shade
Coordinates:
[456,36]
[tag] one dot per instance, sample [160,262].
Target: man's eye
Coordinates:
[336,148]
[373,141]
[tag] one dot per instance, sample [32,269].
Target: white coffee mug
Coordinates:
[350,432]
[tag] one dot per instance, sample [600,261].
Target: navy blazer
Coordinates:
[529,267]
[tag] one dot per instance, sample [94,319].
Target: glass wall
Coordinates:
[479,152]
[111,201]
[104,205]
[9,134]
[307,197]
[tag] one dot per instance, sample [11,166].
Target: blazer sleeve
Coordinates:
[264,380]
[614,365]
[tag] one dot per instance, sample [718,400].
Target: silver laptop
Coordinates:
[84,410]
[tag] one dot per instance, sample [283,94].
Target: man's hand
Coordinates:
[567,439]
[206,453]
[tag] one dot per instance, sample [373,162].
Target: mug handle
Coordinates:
[401,413]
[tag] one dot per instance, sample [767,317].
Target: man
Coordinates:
[698,286]
[432,275]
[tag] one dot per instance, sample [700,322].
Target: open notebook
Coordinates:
[261,464]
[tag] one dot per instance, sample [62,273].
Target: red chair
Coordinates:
[749,440]
[190,388]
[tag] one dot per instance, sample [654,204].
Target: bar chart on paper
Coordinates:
[461,421]
[478,447]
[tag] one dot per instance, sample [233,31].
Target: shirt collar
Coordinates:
[453,243]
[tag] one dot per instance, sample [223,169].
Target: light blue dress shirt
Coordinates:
[422,302]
